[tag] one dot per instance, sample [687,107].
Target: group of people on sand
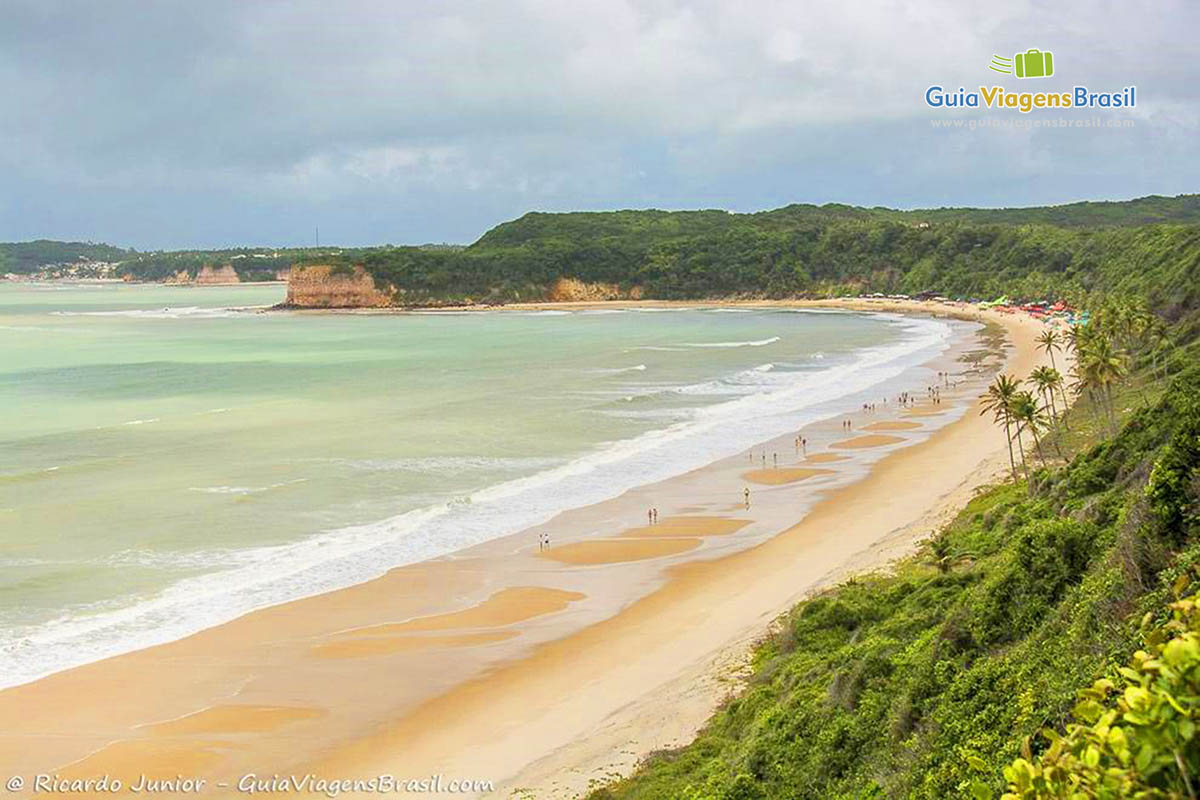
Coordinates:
[652,516]
[935,395]
[763,457]
[543,541]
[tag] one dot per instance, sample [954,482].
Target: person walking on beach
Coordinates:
[654,511]
[650,516]
[746,494]
[775,457]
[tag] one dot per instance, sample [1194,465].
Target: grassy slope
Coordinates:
[884,686]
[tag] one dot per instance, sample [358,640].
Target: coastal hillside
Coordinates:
[1064,252]
[1044,644]
[66,260]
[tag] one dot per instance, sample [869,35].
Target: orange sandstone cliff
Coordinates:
[321,286]
[208,276]
[573,290]
[317,286]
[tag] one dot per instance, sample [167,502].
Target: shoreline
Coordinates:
[228,710]
[579,743]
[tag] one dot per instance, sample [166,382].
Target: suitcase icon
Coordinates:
[1034,63]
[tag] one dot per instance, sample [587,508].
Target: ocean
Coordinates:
[170,460]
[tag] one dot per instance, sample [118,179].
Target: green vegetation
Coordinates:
[250,264]
[957,674]
[1140,743]
[27,257]
[1149,247]
[1068,252]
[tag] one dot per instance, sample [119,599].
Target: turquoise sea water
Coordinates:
[167,463]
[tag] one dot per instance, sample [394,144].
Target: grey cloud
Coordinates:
[173,124]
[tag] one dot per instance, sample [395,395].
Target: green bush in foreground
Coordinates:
[1135,738]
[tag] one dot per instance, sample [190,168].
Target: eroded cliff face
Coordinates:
[316,286]
[572,290]
[208,276]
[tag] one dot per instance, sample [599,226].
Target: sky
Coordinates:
[163,124]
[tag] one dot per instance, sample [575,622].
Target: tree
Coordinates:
[1047,379]
[1050,342]
[998,401]
[1029,417]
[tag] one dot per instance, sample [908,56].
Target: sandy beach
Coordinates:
[531,666]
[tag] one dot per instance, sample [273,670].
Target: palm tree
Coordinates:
[942,555]
[1043,379]
[1159,343]
[998,401]
[1049,342]
[1098,368]
[1030,418]
[1047,379]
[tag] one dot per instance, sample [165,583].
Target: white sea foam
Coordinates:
[245,490]
[452,465]
[158,313]
[756,343]
[618,370]
[764,402]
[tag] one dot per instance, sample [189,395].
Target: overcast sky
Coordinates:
[173,124]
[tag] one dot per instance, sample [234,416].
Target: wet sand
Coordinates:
[614,551]
[892,425]
[825,458]
[871,440]
[690,526]
[778,477]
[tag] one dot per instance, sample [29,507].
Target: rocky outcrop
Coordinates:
[208,276]
[320,286]
[573,290]
[213,276]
